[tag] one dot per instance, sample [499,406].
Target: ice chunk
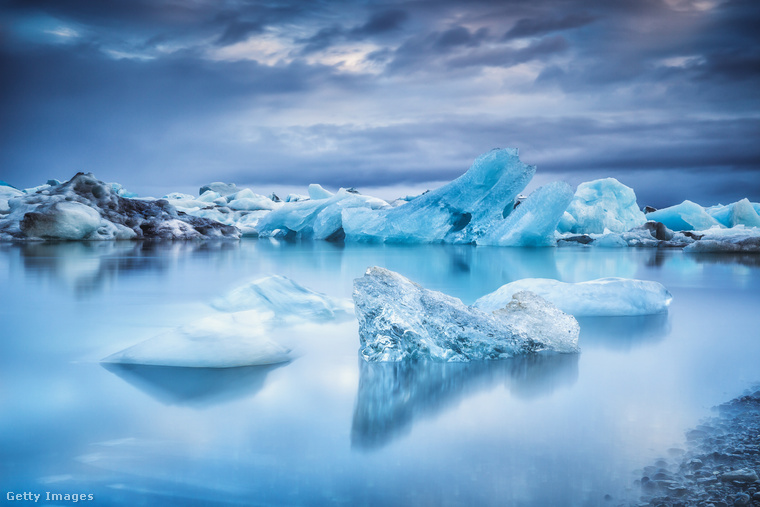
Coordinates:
[89,209]
[286,299]
[535,317]
[605,296]
[459,212]
[534,221]
[687,216]
[62,220]
[220,188]
[400,320]
[736,239]
[316,192]
[315,218]
[247,200]
[602,204]
[223,341]
[8,192]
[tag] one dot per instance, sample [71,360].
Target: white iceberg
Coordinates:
[459,212]
[224,341]
[602,297]
[736,239]
[399,320]
[600,205]
[285,300]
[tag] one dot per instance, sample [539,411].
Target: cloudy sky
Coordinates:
[388,97]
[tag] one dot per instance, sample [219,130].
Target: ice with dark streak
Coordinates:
[85,208]
[400,320]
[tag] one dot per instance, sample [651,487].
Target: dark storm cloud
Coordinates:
[144,90]
[530,27]
[378,23]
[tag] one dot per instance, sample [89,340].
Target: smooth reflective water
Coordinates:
[328,428]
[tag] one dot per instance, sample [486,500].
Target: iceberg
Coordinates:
[602,297]
[315,218]
[534,221]
[85,208]
[400,320]
[459,212]
[600,205]
[687,216]
[285,299]
[736,239]
[224,341]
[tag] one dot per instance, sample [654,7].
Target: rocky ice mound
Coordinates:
[602,205]
[285,299]
[460,212]
[602,297]
[399,320]
[85,208]
[223,341]
[735,239]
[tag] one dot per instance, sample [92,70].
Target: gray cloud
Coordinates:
[530,27]
[642,91]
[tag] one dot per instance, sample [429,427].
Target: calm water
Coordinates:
[329,429]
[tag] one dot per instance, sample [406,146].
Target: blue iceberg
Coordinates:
[400,320]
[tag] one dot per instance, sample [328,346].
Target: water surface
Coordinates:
[328,428]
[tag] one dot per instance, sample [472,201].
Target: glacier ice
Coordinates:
[223,341]
[285,299]
[482,207]
[400,320]
[604,204]
[85,208]
[315,218]
[534,221]
[316,192]
[602,297]
[739,213]
[687,216]
[241,335]
[459,212]
[735,239]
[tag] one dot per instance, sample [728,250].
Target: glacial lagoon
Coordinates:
[328,428]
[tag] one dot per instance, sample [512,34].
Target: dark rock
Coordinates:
[692,235]
[583,239]
[741,499]
[649,209]
[657,230]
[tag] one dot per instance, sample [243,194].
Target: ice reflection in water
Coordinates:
[520,432]
[623,333]
[195,387]
[393,396]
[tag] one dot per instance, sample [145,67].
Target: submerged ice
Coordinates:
[602,297]
[241,333]
[285,299]
[400,320]
[220,341]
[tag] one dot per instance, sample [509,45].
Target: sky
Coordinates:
[388,97]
